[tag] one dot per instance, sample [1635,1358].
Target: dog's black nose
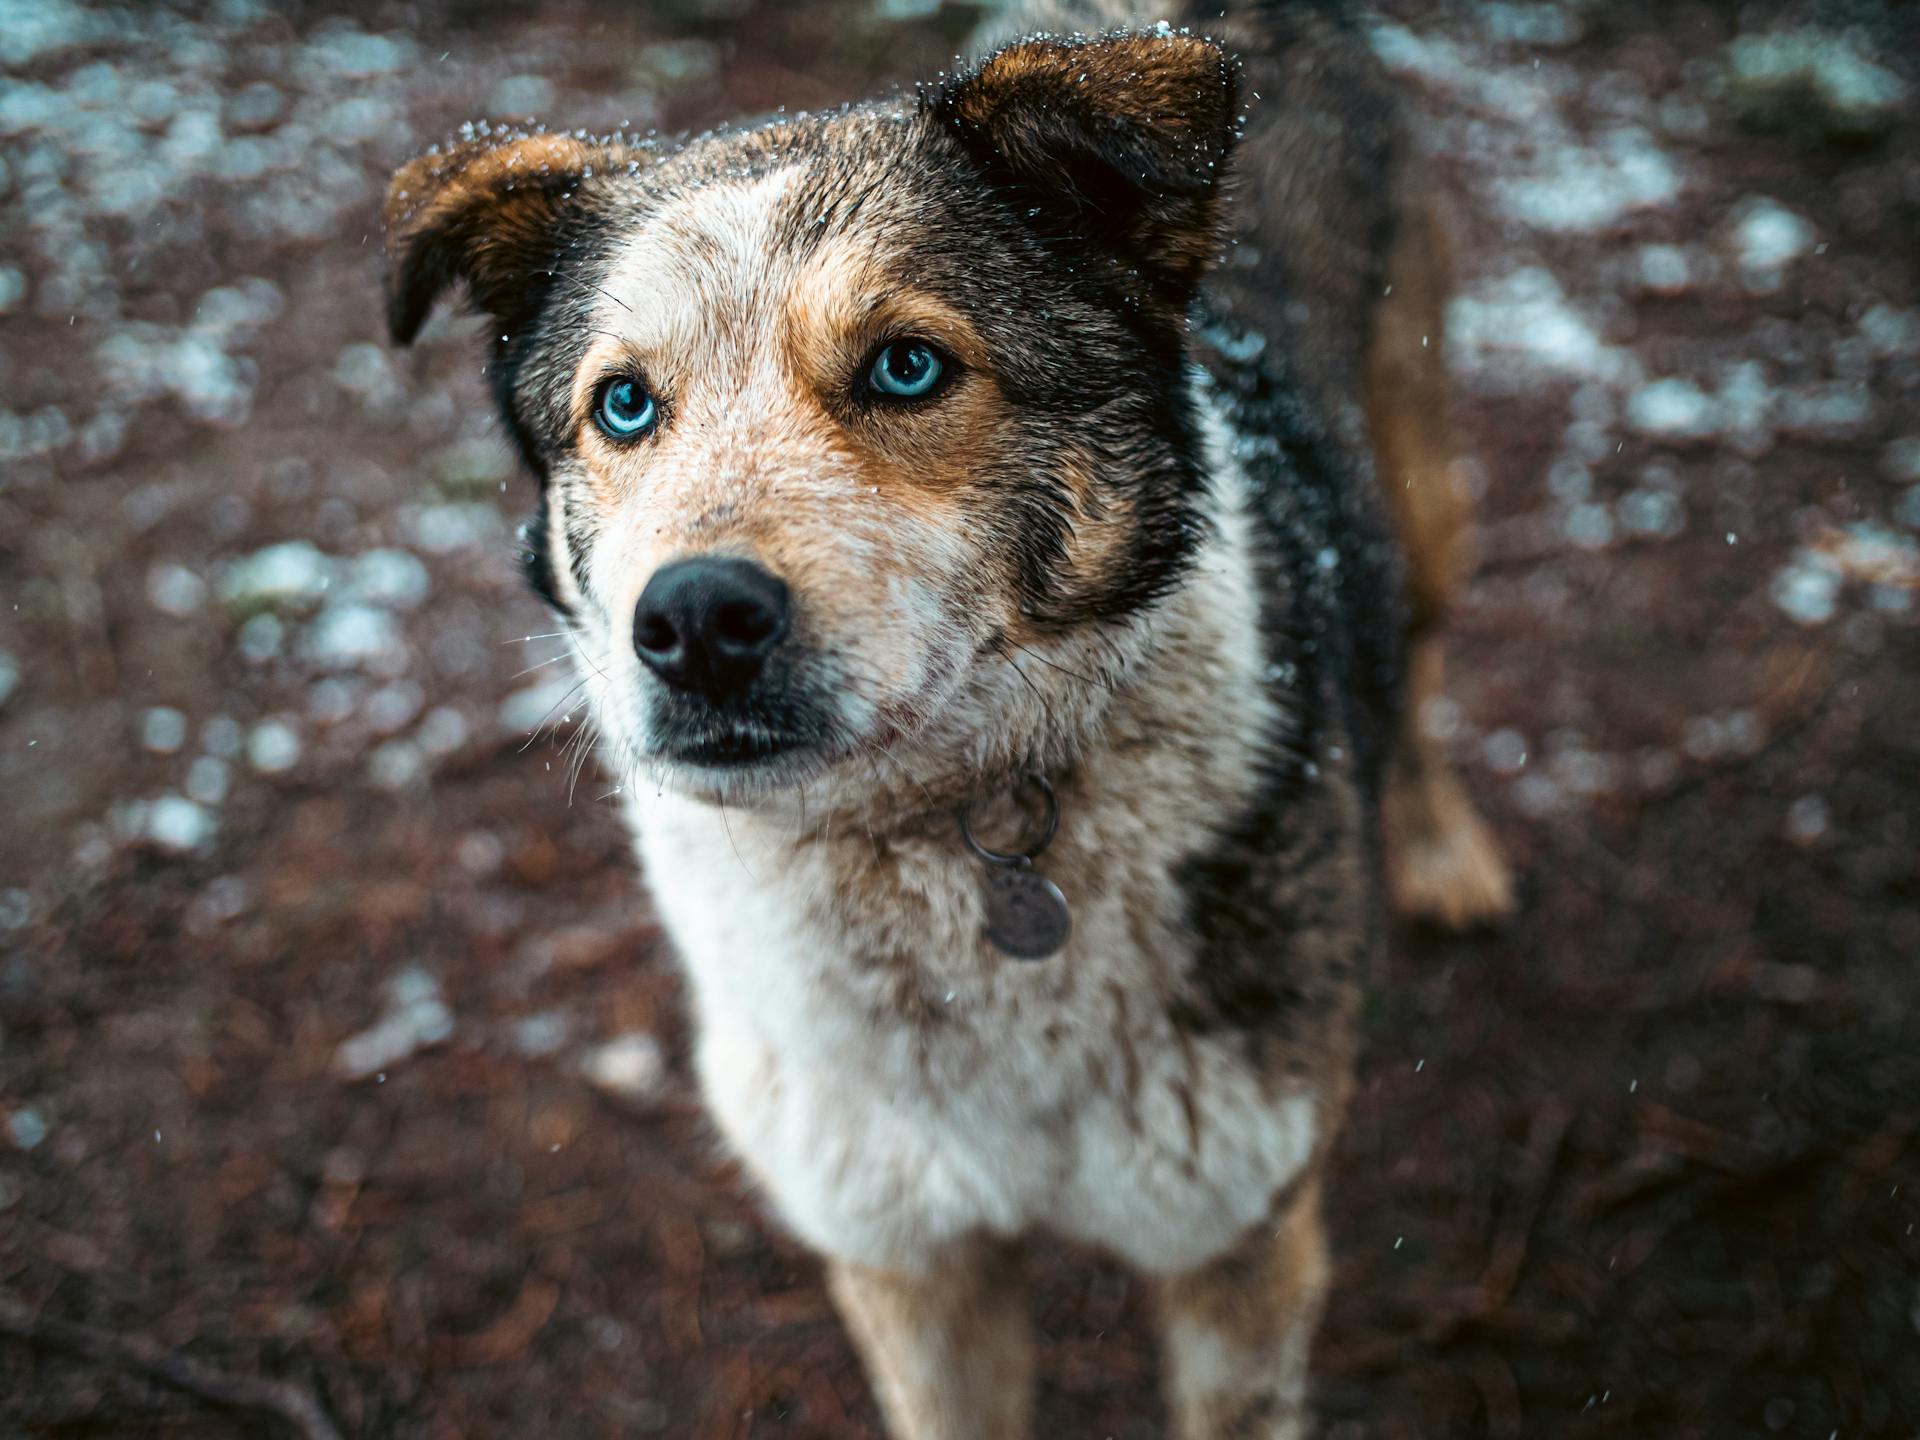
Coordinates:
[708,624]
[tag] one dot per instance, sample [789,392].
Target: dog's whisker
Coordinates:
[540,665]
[544,635]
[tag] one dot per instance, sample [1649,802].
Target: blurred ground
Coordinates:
[337,1045]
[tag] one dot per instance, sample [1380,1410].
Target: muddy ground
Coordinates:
[337,1045]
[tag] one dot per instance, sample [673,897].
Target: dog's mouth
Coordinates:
[784,737]
[771,748]
[736,749]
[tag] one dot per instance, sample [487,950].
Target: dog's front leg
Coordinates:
[1238,1329]
[950,1349]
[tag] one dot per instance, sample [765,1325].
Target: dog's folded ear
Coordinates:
[1123,138]
[493,213]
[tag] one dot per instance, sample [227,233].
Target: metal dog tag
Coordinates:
[1027,916]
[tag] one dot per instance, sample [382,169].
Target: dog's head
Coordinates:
[864,439]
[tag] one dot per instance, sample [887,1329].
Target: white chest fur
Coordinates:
[896,1083]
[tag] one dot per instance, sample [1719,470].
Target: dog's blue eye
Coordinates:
[625,409]
[908,369]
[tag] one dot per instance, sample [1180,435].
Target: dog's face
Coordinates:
[864,439]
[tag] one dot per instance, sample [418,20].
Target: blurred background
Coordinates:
[342,1075]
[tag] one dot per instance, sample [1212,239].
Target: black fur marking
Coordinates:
[534,562]
[1099,385]
[1332,621]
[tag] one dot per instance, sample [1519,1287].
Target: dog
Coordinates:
[1004,529]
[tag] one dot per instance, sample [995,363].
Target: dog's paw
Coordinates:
[1443,865]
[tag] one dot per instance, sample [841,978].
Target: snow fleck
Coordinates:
[293,574]
[1530,25]
[1584,771]
[1570,481]
[363,369]
[333,699]
[416,1018]
[1505,751]
[1702,737]
[1674,410]
[351,636]
[175,590]
[1741,731]
[1746,407]
[1507,331]
[260,638]
[1512,95]
[255,106]
[1891,334]
[352,53]
[1765,238]
[1807,819]
[541,1035]
[191,363]
[163,730]
[1836,410]
[12,288]
[395,765]
[438,529]
[443,731]
[221,736]
[630,1067]
[208,779]
[1666,269]
[25,1128]
[1807,589]
[1807,77]
[393,578]
[273,747]
[480,853]
[175,823]
[387,711]
[1656,769]
[1578,186]
[1655,514]
[1589,526]
[1590,441]
[1872,554]
[1537,795]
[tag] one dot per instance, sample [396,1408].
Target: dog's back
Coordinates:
[1340,262]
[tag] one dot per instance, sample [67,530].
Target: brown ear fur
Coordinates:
[1125,137]
[486,212]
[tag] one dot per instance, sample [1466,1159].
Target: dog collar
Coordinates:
[1027,915]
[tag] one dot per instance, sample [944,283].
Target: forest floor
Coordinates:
[337,1043]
